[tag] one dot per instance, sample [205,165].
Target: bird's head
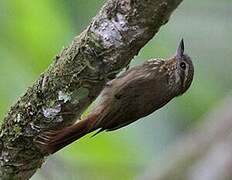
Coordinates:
[182,70]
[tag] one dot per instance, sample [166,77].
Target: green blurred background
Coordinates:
[33,32]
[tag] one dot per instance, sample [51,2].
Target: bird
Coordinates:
[136,93]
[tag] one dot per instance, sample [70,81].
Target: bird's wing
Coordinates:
[121,107]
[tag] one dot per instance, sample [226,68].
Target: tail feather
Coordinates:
[99,131]
[52,141]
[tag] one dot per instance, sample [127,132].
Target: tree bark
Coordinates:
[204,153]
[76,77]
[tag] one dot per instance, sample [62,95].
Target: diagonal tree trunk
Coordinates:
[76,77]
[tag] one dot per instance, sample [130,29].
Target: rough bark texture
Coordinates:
[205,153]
[76,77]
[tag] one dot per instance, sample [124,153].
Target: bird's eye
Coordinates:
[183,65]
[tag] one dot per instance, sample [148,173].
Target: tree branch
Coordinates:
[76,77]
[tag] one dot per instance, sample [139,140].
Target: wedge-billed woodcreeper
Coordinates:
[134,94]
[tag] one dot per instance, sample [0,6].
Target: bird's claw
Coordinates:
[46,137]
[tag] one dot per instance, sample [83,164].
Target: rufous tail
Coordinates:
[52,141]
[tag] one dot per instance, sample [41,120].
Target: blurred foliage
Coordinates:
[33,32]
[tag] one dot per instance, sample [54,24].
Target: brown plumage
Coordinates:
[134,94]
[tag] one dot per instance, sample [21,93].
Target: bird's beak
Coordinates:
[180,49]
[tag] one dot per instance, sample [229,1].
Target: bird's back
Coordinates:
[141,94]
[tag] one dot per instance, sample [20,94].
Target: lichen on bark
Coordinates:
[76,77]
